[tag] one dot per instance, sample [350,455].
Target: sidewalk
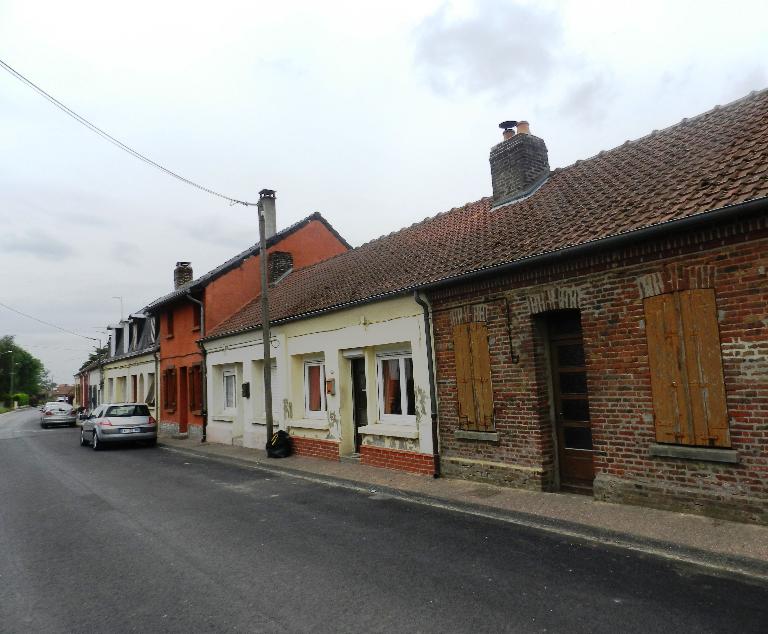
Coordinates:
[728,547]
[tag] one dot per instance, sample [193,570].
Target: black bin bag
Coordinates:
[279,446]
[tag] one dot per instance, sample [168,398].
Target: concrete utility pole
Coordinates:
[12,371]
[266,200]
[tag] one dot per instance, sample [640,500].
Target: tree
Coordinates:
[29,373]
[97,354]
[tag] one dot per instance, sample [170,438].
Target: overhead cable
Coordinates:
[47,323]
[113,140]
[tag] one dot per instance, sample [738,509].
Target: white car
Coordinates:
[118,422]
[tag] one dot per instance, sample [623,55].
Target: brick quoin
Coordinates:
[608,288]
[397,459]
[315,447]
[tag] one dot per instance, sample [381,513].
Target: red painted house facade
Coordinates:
[199,305]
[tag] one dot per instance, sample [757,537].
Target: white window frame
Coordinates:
[397,419]
[226,373]
[323,409]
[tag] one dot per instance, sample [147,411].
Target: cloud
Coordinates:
[125,252]
[755,78]
[38,243]
[499,51]
[588,100]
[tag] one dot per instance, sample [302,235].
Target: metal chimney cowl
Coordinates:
[518,164]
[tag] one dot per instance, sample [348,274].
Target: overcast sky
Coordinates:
[375,114]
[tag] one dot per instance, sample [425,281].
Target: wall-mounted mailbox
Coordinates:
[330,387]
[246,390]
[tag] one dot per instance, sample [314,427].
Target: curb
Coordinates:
[721,564]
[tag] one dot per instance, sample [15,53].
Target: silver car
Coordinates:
[55,414]
[118,422]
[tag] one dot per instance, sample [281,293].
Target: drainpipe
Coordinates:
[157,387]
[203,374]
[432,389]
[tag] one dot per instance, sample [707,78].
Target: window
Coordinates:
[473,376]
[196,317]
[196,388]
[150,399]
[229,389]
[126,411]
[314,389]
[686,369]
[169,323]
[397,400]
[170,389]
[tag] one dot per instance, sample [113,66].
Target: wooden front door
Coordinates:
[571,400]
[359,397]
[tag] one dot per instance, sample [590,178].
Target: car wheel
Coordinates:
[95,442]
[83,441]
[152,443]
[43,425]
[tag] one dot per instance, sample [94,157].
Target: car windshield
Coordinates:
[128,410]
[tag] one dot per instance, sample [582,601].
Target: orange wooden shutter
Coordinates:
[706,386]
[665,359]
[481,374]
[462,350]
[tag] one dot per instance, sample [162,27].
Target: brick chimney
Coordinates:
[280,263]
[518,164]
[182,274]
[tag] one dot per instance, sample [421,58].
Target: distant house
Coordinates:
[129,372]
[196,306]
[600,328]
[89,386]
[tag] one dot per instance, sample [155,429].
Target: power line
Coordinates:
[47,323]
[113,140]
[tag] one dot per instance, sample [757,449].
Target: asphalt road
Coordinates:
[146,540]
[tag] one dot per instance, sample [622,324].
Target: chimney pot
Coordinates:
[523,127]
[182,274]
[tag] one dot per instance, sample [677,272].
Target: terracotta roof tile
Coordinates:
[715,159]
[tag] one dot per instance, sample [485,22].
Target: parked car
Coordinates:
[55,414]
[118,422]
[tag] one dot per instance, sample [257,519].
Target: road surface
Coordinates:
[146,540]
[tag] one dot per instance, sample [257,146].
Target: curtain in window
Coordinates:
[313,381]
[390,369]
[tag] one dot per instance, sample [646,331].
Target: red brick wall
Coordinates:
[326,449]
[609,289]
[399,460]
[223,296]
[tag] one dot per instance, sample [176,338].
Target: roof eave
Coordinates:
[720,214]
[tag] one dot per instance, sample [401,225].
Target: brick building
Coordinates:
[608,333]
[196,306]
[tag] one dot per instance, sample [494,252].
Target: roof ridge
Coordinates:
[422,222]
[246,253]
[653,133]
